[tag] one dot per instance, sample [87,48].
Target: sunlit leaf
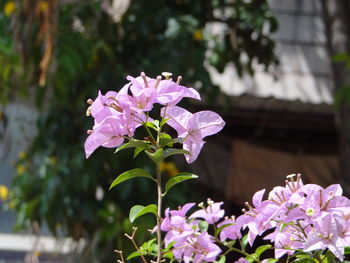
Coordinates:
[172,151]
[137,172]
[178,179]
[132,144]
[139,210]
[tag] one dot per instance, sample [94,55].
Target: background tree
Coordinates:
[67,51]
[337,21]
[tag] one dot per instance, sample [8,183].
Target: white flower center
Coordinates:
[310,211]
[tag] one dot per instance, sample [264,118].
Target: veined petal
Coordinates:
[178,118]
[103,135]
[208,122]
[194,148]
[191,93]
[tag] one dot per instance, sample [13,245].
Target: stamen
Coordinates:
[279,197]
[116,107]
[252,209]
[167,75]
[89,101]
[159,78]
[291,177]
[143,75]
[289,186]
[89,131]
[274,201]
[179,78]
[298,180]
[88,111]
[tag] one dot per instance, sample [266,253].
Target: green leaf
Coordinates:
[261,250]
[156,156]
[166,140]
[134,255]
[245,241]
[139,210]
[156,123]
[341,57]
[272,260]
[163,121]
[172,151]
[304,260]
[250,258]
[151,125]
[221,260]
[131,144]
[347,251]
[203,226]
[178,179]
[137,172]
[148,246]
[137,151]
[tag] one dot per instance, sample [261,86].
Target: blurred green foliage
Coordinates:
[63,52]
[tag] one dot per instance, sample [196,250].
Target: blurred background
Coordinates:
[276,70]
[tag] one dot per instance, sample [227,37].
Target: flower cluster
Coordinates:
[302,217]
[189,241]
[118,114]
[306,217]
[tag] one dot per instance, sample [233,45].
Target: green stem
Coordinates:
[149,131]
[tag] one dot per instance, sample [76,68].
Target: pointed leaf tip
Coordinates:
[139,210]
[137,172]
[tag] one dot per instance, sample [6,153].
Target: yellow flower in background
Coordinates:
[9,7]
[22,155]
[198,35]
[37,253]
[11,205]
[20,169]
[169,167]
[4,192]
[53,160]
[43,6]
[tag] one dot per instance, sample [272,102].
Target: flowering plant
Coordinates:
[304,223]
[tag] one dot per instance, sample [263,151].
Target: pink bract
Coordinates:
[193,128]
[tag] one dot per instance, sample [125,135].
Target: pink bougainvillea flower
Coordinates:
[170,93]
[147,91]
[231,230]
[106,134]
[104,106]
[242,260]
[143,93]
[258,217]
[212,213]
[326,235]
[197,248]
[192,128]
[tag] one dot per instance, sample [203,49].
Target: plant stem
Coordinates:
[159,212]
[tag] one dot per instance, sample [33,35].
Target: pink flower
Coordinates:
[170,93]
[232,230]
[108,134]
[192,128]
[242,260]
[326,235]
[197,248]
[147,91]
[212,213]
